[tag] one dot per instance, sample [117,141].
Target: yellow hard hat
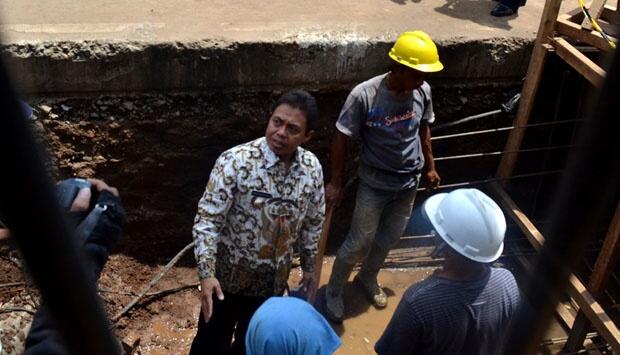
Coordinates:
[416,50]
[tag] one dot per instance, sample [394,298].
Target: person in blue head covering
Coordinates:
[289,326]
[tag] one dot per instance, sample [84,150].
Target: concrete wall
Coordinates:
[94,67]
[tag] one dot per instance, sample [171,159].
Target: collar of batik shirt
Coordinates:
[271,159]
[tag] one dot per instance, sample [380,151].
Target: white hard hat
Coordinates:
[470,222]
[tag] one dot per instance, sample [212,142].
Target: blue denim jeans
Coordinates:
[379,220]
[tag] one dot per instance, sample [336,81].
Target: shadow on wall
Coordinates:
[477,11]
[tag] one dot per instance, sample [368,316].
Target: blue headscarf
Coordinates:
[289,326]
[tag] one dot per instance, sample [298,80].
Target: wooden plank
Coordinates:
[575,340]
[318,265]
[595,9]
[607,258]
[573,31]
[605,263]
[595,313]
[563,315]
[592,309]
[574,15]
[610,14]
[531,232]
[582,64]
[530,87]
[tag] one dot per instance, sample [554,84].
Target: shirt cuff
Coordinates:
[206,271]
[308,263]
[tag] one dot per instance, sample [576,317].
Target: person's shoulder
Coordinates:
[503,276]
[308,159]
[500,272]
[242,150]
[423,291]
[370,85]
[426,88]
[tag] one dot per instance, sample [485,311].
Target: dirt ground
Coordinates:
[158,149]
[166,324]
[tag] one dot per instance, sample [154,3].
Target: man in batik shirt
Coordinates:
[263,197]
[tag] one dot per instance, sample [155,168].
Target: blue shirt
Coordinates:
[441,316]
[388,128]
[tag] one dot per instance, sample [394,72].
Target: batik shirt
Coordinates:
[252,213]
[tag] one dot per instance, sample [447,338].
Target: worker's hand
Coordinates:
[81,201]
[307,283]
[433,179]
[4,233]
[100,185]
[333,193]
[207,288]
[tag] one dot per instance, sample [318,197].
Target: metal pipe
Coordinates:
[484,181]
[478,155]
[506,107]
[29,208]
[501,129]
[465,120]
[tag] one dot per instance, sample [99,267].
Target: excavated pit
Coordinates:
[158,149]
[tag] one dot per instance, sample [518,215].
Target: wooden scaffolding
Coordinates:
[559,35]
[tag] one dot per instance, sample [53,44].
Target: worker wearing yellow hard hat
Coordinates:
[389,115]
[416,50]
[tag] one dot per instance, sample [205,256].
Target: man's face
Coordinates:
[287,130]
[411,79]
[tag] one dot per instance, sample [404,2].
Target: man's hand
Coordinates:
[81,201]
[4,233]
[333,193]
[100,185]
[307,283]
[207,288]
[433,179]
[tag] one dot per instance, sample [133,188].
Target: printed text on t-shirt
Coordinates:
[378,121]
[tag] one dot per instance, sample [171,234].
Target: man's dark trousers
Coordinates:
[215,337]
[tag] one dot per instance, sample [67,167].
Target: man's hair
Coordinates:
[303,101]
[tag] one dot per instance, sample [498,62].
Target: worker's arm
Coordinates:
[432,177]
[311,228]
[208,226]
[338,153]
[348,126]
